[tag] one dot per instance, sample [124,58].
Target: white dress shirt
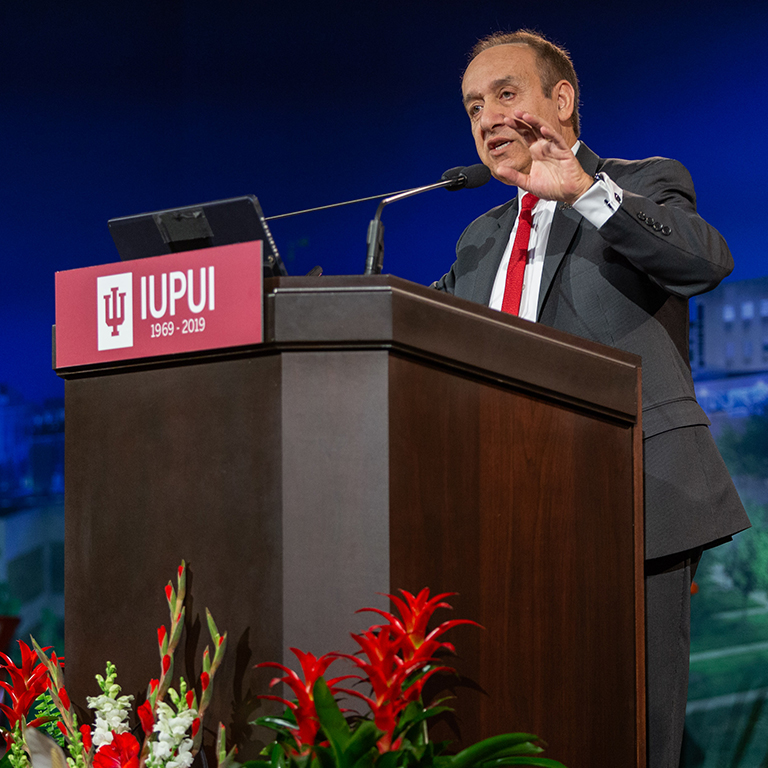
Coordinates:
[596,205]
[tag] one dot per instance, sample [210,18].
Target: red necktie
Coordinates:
[513,289]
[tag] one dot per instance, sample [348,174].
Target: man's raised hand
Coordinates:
[555,173]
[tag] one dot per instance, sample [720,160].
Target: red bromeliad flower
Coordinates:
[27,683]
[415,613]
[304,711]
[395,681]
[396,658]
[121,752]
[401,658]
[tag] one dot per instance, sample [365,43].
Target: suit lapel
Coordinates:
[564,225]
[488,266]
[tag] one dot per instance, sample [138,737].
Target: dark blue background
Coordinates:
[110,109]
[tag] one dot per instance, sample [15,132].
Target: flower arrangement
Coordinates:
[172,735]
[395,660]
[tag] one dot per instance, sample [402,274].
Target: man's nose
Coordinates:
[491,117]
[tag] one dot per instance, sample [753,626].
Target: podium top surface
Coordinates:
[383,310]
[390,313]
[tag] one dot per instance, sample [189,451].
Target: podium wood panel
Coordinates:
[383,437]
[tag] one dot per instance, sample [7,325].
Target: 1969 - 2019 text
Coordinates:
[188,325]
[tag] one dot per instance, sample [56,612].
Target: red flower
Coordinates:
[27,683]
[121,752]
[304,709]
[401,657]
[146,716]
[396,658]
[166,663]
[395,681]
[85,732]
[64,697]
[195,726]
[415,613]
[205,680]
[161,636]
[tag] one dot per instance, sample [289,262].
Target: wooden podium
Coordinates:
[384,436]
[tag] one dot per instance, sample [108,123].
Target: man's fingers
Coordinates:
[512,176]
[540,128]
[526,131]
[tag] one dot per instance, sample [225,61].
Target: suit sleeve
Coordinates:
[446,282]
[659,231]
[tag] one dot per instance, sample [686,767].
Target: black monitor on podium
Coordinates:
[221,222]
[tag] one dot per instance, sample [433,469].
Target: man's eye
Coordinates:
[507,95]
[474,110]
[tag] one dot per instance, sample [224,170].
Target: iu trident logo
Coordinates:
[114,301]
[114,309]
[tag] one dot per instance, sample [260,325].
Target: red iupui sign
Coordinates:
[181,302]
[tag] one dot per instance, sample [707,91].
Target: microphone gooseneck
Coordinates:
[461,177]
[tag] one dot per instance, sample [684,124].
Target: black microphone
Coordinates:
[460,177]
[467,177]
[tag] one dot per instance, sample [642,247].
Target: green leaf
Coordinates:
[331,720]
[277,756]
[413,715]
[360,745]
[174,641]
[523,749]
[274,723]
[323,758]
[387,760]
[538,762]
[490,748]
[5,762]
[212,628]
[366,760]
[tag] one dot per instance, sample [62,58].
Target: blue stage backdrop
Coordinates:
[111,109]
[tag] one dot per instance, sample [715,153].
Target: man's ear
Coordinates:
[565,99]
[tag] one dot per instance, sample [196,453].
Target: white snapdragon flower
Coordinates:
[111,716]
[183,757]
[172,748]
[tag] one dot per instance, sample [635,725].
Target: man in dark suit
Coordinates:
[611,251]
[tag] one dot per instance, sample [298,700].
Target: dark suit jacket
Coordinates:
[627,285]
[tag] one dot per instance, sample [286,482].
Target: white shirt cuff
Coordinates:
[600,201]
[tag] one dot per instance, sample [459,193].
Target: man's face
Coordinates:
[498,81]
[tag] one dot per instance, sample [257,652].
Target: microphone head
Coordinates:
[467,177]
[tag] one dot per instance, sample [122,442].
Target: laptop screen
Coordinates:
[221,222]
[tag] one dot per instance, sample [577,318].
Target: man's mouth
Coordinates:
[498,144]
